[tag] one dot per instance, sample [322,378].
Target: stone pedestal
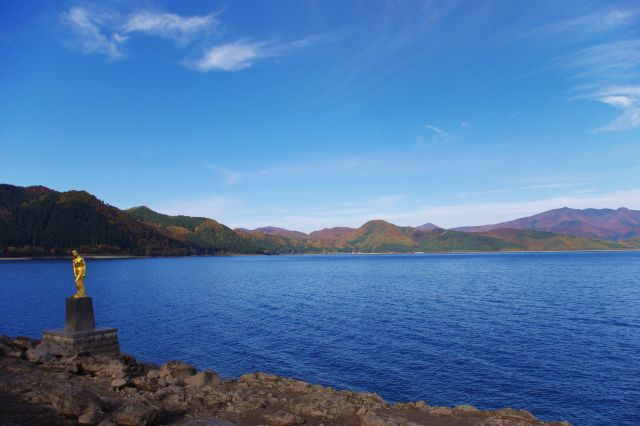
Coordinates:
[79,315]
[80,333]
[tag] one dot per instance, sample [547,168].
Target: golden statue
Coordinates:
[79,271]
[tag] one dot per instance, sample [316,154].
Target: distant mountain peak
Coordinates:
[608,224]
[139,208]
[281,232]
[428,227]
[376,222]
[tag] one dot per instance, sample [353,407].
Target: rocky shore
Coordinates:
[42,384]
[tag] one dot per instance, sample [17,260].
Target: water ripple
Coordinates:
[554,333]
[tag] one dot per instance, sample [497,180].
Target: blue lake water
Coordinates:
[554,333]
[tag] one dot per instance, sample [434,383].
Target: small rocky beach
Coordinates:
[41,383]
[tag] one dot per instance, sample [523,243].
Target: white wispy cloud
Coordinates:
[609,58]
[102,31]
[242,54]
[589,24]
[169,25]
[625,98]
[618,59]
[91,35]
[233,56]
[438,133]
[606,69]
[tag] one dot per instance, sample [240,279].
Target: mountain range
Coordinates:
[608,224]
[37,220]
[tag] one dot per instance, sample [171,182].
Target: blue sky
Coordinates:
[310,114]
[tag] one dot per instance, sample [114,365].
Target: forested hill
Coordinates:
[38,221]
[145,214]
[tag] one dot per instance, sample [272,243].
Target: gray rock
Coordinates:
[177,370]
[465,409]
[370,419]
[118,383]
[45,352]
[75,402]
[91,418]
[6,346]
[137,411]
[283,418]
[104,366]
[519,414]
[24,343]
[207,421]
[145,384]
[203,378]
[421,404]
[441,411]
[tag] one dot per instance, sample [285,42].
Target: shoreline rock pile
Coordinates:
[40,383]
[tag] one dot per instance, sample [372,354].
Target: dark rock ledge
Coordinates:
[41,384]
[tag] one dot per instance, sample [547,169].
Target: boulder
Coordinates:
[207,421]
[465,409]
[173,398]
[441,411]
[76,402]
[216,399]
[91,418]
[202,378]
[6,346]
[137,411]
[176,370]
[145,384]
[371,419]
[118,383]
[20,345]
[103,367]
[250,378]
[518,414]
[283,418]
[25,343]
[45,352]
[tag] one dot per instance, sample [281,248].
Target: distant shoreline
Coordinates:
[120,257]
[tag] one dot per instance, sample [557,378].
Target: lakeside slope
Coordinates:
[41,384]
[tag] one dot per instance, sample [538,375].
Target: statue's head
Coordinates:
[74,252]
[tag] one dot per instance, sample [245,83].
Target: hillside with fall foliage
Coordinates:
[38,221]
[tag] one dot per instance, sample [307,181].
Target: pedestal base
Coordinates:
[99,341]
[79,315]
